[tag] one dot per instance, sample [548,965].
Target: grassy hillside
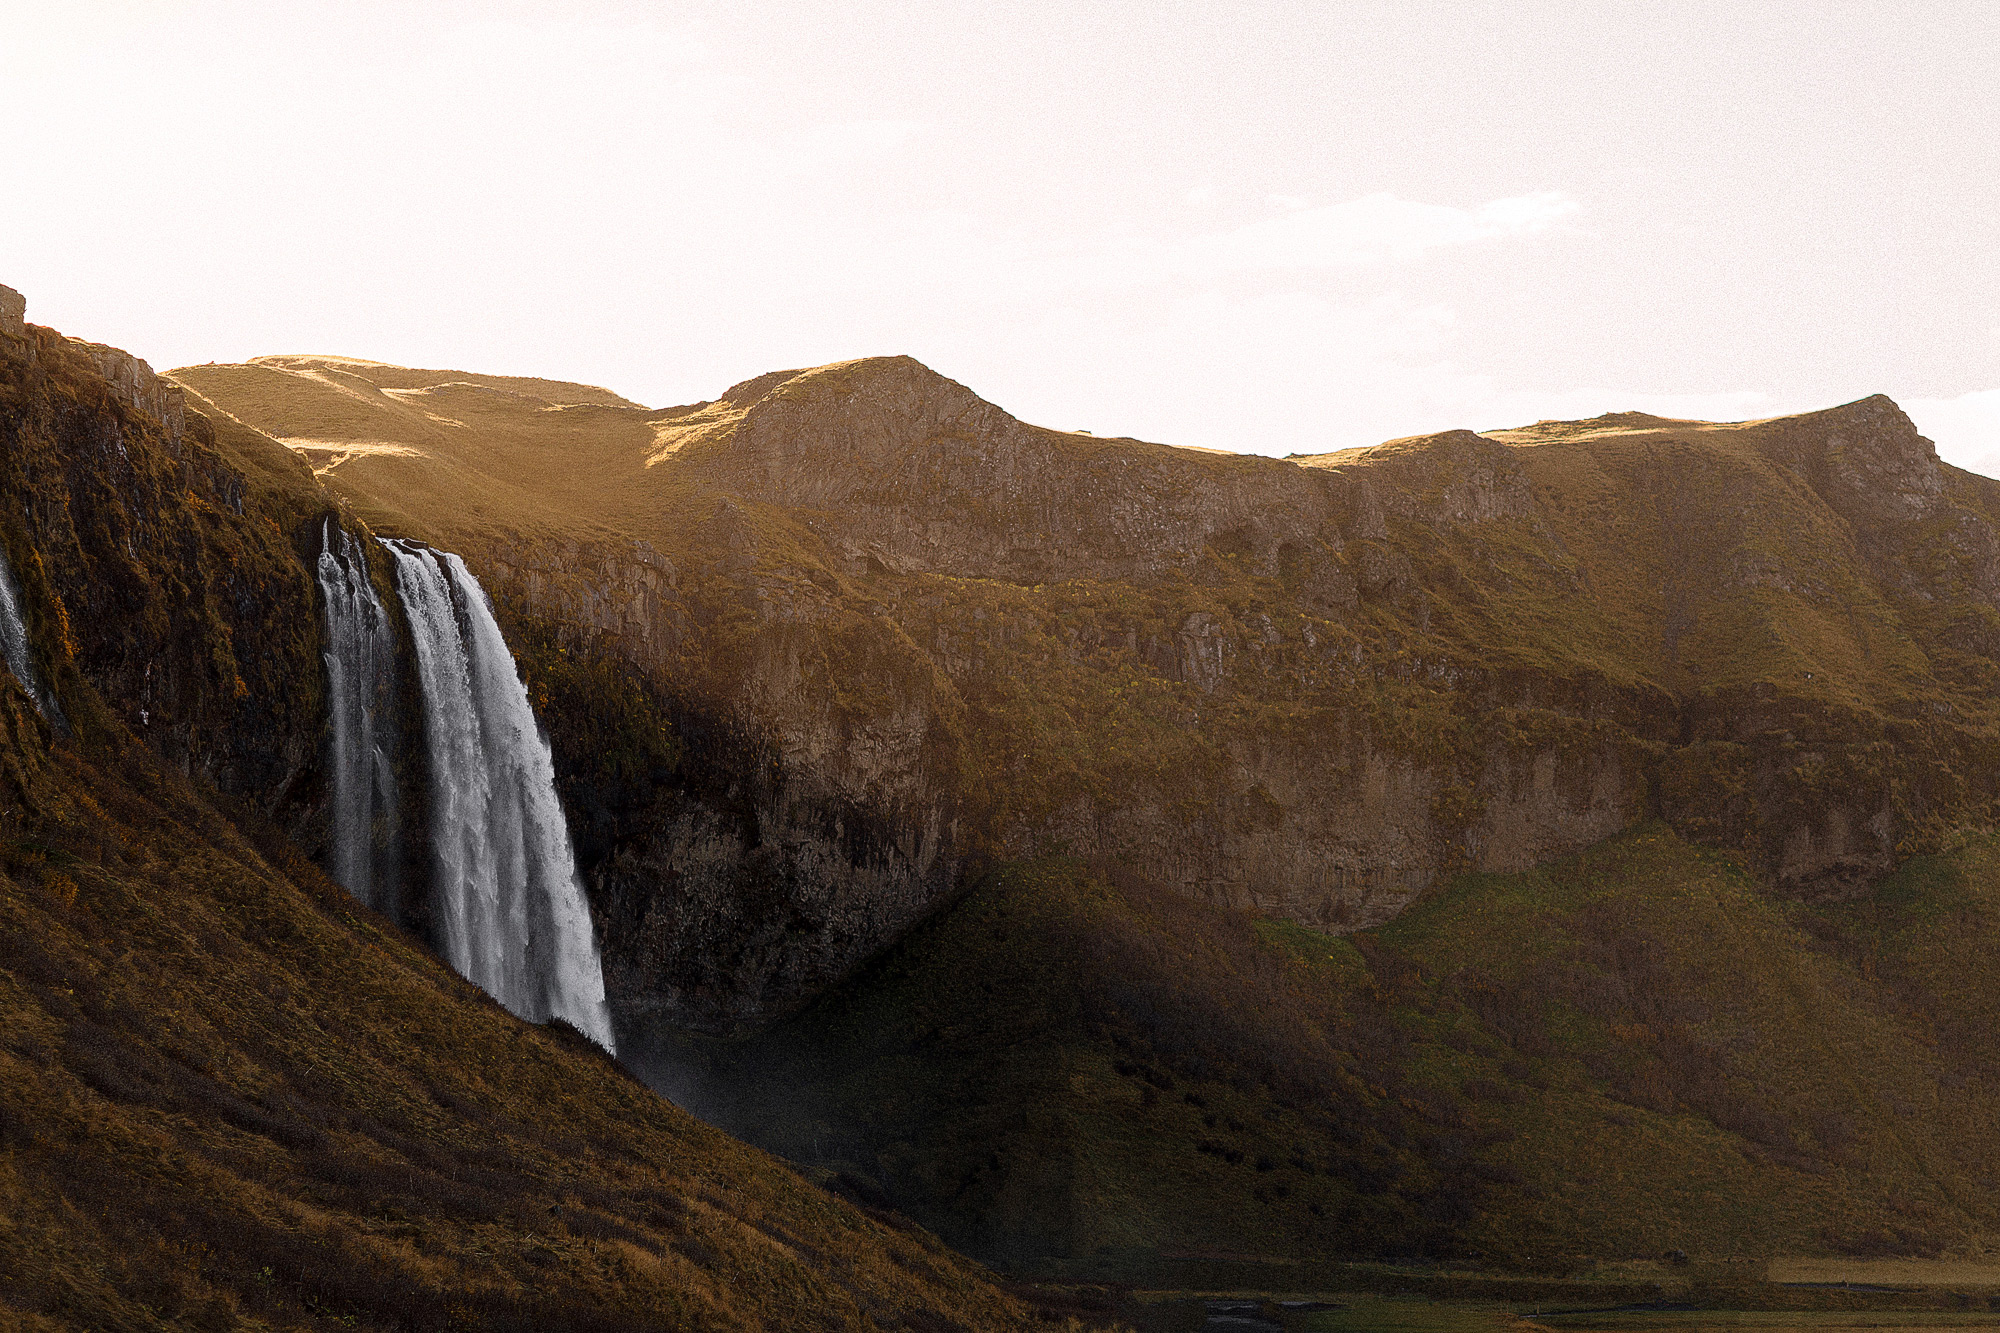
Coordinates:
[1321,682]
[529,456]
[232,1097]
[1627,1053]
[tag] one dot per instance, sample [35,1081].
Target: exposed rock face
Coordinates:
[762,853]
[1395,569]
[898,632]
[135,385]
[917,474]
[13,314]
[152,573]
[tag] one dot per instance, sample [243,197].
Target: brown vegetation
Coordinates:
[1308,688]
[232,1094]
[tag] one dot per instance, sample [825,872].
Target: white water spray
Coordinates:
[505,884]
[14,642]
[360,672]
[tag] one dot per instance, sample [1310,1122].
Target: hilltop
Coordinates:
[1562,850]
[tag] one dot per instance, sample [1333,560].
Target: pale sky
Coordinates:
[1266,227]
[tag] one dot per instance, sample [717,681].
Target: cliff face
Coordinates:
[1444,652]
[230,1096]
[904,471]
[744,849]
[814,655]
[159,574]
[897,632]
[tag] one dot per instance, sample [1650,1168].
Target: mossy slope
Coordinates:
[1629,1052]
[232,1095]
[1220,712]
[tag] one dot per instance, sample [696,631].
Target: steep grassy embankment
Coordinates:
[231,1094]
[1629,1052]
[162,571]
[1251,763]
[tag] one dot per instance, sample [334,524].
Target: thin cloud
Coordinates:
[1374,229]
[1966,429]
[1371,231]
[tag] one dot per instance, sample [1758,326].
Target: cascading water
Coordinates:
[514,917]
[14,642]
[361,682]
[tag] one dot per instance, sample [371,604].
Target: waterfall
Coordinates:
[514,918]
[14,641]
[361,683]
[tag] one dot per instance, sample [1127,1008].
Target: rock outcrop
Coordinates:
[13,314]
[814,656]
[159,574]
[134,384]
[739,859]
[219,1072]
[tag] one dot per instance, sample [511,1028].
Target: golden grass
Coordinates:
[231,1092]
[1677,587]
[229,1096]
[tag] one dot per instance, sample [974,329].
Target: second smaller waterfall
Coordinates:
[360,672]
[19,654]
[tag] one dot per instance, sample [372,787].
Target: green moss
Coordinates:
[600,705]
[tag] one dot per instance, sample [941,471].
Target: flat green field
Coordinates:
[1774,1321]
[1172,1312]
[1957,1274]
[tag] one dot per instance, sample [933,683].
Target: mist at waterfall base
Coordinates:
[507,908]
[14,643]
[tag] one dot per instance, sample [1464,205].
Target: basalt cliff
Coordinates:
[897,633]
[1139,861]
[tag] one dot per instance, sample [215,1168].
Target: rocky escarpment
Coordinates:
[1414,658]
[13,314]
[764,781]
[908,634]
[899,470]
[739,859]
[171,559]
[232,1095]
